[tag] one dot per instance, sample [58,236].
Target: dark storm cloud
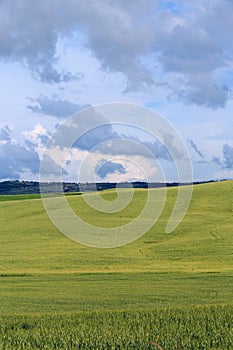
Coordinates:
[189,44]
[104,168]
[54,107]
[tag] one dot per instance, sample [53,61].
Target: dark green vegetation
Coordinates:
[192,328]
[18,197]
[43,274]
[31,187]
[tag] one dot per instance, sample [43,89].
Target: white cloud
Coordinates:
[16,158]
[194,42]
[174,57]
[36,135]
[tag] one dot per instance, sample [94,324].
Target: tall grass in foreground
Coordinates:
[172,329]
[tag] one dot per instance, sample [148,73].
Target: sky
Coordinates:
[63,57]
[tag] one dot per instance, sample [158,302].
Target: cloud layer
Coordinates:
[15,159]
[227,159]
[104,168]
[54,107]
[188,44]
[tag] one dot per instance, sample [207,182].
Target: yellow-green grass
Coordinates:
[41,270]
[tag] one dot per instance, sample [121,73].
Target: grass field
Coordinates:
[168,280]
[192,328]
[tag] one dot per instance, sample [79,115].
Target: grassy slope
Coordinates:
[41,270]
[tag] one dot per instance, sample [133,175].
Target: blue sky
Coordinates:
[59,57]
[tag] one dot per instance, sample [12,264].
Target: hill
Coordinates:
[166,291]
[189,266]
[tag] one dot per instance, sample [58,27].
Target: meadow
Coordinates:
[171,289]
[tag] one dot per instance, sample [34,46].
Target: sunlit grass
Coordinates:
[42,272]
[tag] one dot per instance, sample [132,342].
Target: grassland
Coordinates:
[189,329]
[42,272]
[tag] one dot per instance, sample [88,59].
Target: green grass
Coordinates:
[18,197]
[195,328]
[112,291]
[29,242]
[42,272]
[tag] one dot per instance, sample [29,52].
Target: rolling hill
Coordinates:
[42,270]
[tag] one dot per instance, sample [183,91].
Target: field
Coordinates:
[172,289]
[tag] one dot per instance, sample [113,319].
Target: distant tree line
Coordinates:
[27,187]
